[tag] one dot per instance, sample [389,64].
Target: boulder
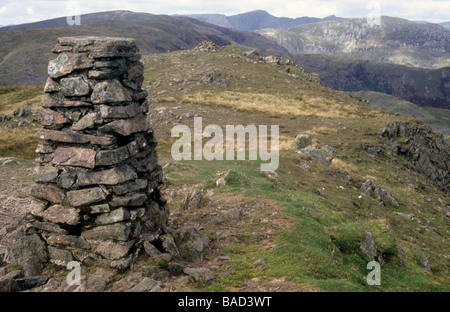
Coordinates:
[61,214]
[189,243]
[301,141]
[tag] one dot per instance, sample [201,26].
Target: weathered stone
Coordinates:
[137,213]
[51,86]
[139,95]
[302,141]
[75,86]
[169,246]
[86,122]
[48,227]
[192,200]
[112,157]
[200,275]
[370,189]
[85,196]
[151,250]
[113,176]
[368,245]
[30,253]
[402,255]
[121,264]
[109,64]
[96,283]
[51,119]
[424,261]
[61,256]
[73,156]
[44,149]
[116,231]
[117,215]
[37,207]
[66,179]
[126,127]
[113,250]
[45,174]
[49,102]
[108,112]
[60,214]
[105,73]
[111,91]
[146,285]
[66,63]
[102,208]
[67,240]
[189,243]
[129,187]
[48,192]
[8,284]
[71,137]
[132,200]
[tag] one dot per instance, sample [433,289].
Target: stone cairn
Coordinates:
[97,191]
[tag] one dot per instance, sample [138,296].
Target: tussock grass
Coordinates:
[275,104]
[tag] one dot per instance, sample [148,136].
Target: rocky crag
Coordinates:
[427,152]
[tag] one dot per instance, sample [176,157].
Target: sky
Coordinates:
[25,11]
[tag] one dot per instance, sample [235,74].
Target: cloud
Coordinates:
[435,10]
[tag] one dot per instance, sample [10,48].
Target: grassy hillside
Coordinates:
[302,230]
[24,53]
[395,41]
[438,119]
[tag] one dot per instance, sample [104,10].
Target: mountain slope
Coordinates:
[427,87]
[259,19]
[396,41]
[24,53]
[299,228]
[437,119]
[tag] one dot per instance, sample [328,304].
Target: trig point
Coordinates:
[97,178]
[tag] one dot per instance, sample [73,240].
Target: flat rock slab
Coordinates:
[50,118]
[48,192]
[49,101]
[71,137]
[110,91]
[74,156]
[126,127]
[84,197]
[116,231]
[61,214]
[66,63]
[113,176]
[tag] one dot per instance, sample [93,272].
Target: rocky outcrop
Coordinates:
[97,177]
[370,189]
[426,151]
[287,63]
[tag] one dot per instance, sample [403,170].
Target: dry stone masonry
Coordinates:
[97,191]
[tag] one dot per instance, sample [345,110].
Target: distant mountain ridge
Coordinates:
[256,20]
[396,41]
[25,49]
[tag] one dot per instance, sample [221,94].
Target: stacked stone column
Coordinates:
[97,177]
